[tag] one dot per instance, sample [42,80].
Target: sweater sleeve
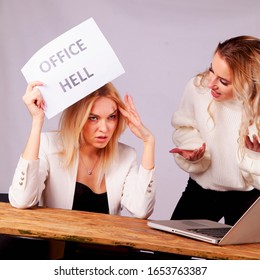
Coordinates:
[186,134]
[249,166]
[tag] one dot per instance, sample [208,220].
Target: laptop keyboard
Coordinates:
[215,232]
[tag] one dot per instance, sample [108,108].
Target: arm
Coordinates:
[140,131]
[35,104]
[249,164]
[26,187]
[190,154]
[138,184]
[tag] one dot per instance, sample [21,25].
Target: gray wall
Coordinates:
[161,44]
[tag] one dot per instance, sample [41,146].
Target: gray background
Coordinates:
[160,43]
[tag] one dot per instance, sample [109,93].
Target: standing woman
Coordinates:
[217,132]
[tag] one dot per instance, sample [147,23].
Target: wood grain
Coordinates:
[102,229]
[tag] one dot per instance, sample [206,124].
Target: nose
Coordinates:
[213,82]
[103,126]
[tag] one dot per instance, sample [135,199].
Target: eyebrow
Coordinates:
[229,82]
[92,114]
[116,110]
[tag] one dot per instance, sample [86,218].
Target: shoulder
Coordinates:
[51,140]
[125,157]
[194,84]
[124,148]
[192,81]
[194,89]
[126,151]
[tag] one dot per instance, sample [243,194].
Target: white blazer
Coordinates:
[47,182]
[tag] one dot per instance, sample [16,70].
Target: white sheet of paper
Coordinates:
[72,66]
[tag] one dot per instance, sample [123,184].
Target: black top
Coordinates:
[86,200]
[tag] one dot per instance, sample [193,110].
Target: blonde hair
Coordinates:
[74,118]
[242,54]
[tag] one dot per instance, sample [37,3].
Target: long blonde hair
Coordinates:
[74,118]
[242,54]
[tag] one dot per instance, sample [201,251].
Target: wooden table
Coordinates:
[102,229]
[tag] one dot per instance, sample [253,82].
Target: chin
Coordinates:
[101,145]
[217,99]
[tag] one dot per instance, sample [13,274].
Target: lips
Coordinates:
[215,94]
[101,138]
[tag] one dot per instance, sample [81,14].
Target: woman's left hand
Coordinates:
[254,144]
[134,122]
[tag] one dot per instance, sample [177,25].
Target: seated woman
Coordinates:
[82,165]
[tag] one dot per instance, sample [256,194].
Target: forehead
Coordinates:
[103,106]
[221,68]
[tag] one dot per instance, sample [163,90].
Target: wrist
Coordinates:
[150,140]
[36,126]
[37,122]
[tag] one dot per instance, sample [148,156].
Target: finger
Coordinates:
[36,95]
[129,102]
[176,151]
[43,106]
[32,85]
[194,155]
[255,144]
[34,98]
[39,102]
[127,105]
[255,140]
[202,149]
[248,142]
[131,115]
[200,153]
[190,157]
[126,98]
[123,112]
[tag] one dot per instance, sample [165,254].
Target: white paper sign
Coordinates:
[73,65]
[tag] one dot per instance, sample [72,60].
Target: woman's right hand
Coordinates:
[34,101]
[191,155]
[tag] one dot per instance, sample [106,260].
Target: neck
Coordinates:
[89,157]
[89,151]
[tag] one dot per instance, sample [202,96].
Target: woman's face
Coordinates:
[101,124]
[220,80]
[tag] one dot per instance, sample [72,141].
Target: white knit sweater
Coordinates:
[221,168]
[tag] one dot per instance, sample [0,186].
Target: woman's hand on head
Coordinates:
[134,121]
[191,155]
[253,144]
[34,101]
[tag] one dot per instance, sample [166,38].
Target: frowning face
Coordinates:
[102,123]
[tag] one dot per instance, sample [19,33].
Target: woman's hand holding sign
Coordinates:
[36,106]
[34,101]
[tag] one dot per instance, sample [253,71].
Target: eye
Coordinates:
[92,118]
[112,117]
[210,69]
[224,82]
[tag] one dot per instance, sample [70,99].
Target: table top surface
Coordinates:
[102,229]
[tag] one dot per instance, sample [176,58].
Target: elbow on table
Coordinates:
[21,203]
[143,214]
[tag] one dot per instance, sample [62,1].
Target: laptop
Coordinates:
[246,229]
